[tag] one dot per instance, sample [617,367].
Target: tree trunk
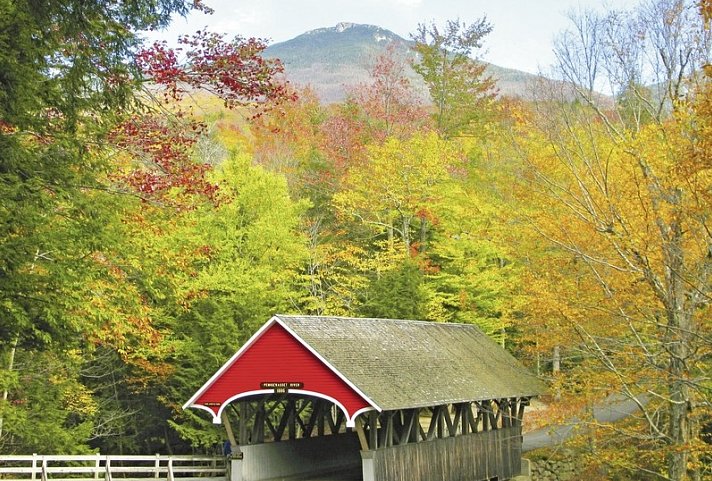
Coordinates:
[10,366]
[679,403]
[406,235]
[677,338]
[556,368]
[538,362]
[556,361]
[423,233]
[695,461]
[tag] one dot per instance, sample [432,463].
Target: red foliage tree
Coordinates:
[233,70]
[163,150]
[389,103]
[385,106]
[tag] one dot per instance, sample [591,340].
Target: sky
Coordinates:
[522,36]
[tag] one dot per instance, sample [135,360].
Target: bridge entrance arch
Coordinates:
[283,434]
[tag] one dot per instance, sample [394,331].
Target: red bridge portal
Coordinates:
[276,360]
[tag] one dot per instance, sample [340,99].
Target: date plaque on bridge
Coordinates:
[281,387]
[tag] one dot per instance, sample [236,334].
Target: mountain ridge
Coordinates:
[330,59]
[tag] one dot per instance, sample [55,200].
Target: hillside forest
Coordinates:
[160,203]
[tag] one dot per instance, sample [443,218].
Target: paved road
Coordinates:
[348,475]
[612,409]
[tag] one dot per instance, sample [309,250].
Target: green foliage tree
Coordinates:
[459,87]
[63,409]
[240,264]
[398,293]
[64,68]
[633,105]
[474,278]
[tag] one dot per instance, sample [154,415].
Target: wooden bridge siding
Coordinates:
[470,457]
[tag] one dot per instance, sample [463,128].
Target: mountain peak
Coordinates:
[353,28]
[340,27]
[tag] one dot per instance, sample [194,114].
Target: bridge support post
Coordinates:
[235,469]
[526,471]
[368,467]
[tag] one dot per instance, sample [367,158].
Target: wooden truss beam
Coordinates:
[406,426]
[279,417]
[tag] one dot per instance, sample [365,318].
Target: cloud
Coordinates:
[406,3]
[241,20]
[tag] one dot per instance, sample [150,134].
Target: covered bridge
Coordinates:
[376,399]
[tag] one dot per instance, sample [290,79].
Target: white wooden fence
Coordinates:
[112,468]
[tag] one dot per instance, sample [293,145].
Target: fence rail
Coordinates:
[112,468]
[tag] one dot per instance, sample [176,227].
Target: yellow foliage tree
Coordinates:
[393,192]
[626,205]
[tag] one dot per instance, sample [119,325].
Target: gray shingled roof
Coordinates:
[402,364]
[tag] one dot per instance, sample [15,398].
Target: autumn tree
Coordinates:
[233,70]
[238,263]
[70,114]
[620,200]
[392,193]
[388,104]
[317,148]
[160,159]
[459,86]
[291,141]
[161,137]
[66,68]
